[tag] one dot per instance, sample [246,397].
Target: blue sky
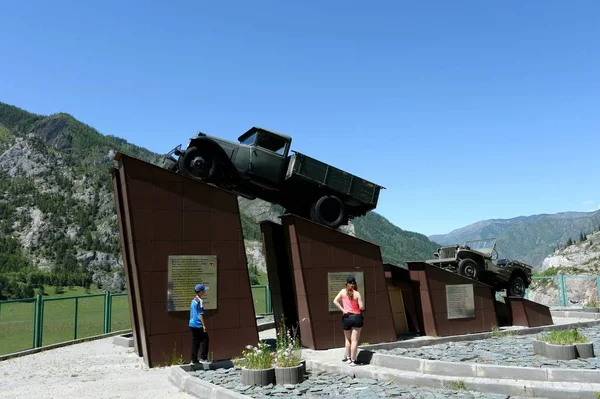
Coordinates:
[463,110]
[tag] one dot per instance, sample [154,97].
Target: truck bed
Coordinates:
[360,191]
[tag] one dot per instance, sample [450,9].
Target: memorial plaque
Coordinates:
[460,301]
[336,281]
[185,271]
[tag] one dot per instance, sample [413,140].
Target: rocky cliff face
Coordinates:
[582,259]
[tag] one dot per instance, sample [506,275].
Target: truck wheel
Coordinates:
[199,164]
[329,211]
[468,268]
[516,287]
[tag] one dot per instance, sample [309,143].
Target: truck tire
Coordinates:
[198,164]
[329,211]
[468,268]
[516,287]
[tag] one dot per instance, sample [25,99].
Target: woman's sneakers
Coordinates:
[349,361]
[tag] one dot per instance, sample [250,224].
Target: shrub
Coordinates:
[566,337]
[288,352]
[255,357]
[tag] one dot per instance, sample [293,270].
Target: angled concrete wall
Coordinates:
[162,213]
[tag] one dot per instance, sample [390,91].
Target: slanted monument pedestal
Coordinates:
[306,277]
[176,232]
[450,304]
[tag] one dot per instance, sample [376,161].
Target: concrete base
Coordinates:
[528,313]
[432,282]
[125,340]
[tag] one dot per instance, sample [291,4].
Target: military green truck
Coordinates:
[478,260]
[261,165]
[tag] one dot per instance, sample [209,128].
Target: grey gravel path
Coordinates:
[507,350]
[95,369]
[323,385]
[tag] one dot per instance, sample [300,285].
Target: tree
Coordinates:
[254,276]
[569,242]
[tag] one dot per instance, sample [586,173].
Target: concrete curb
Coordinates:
[516,387]
[125,340]
[200,389]
[476,370]
[266,326]
[576,314]
[417,343]
[60,345]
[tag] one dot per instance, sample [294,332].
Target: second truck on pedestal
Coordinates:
[261,166]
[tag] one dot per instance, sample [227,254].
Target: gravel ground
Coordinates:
[95,369]
[507,350]
[326,385]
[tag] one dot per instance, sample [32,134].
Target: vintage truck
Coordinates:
[261,165]
[478,260]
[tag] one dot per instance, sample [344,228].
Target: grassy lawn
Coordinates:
[259,294]
[17,318]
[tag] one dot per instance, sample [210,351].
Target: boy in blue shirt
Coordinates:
[198,327]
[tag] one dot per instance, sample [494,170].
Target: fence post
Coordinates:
[268,299]
[76,314]
[109,311]
[563,289]
[598,287]
[37,322]
[106,296]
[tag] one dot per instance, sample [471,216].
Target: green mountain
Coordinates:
[529,239]
[57,215]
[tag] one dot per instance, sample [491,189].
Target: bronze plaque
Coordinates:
[460,301]
[185,271]
[336,281]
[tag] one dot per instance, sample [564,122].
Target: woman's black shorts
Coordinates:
[350,321]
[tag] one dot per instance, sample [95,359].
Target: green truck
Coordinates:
[261,165]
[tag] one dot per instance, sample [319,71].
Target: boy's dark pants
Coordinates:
[199,341]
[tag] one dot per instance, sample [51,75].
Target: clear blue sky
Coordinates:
[415,96]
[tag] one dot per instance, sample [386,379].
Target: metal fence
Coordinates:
[564,290]
[35,322]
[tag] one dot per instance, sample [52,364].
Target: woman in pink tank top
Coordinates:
[352,318]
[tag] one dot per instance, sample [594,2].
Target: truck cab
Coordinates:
[263,154]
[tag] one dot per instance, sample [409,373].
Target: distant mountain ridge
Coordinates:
[57,209]
[526,238]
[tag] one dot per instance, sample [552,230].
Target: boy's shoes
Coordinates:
[345,359]
[205,361]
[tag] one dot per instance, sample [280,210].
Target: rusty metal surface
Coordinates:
[280,273]
[432,302]
[314,251]
[161,213]
[399,277]
[528,313]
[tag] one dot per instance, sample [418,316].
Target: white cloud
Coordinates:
[588,202]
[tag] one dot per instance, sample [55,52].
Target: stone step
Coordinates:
[512,387]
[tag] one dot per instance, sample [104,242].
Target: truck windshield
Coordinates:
[271,142]
[249,140]
[481,245]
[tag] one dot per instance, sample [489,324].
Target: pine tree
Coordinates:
[569,242]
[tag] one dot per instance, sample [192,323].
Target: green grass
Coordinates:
[259,294]
[17,319]
[458,385]
[566,337]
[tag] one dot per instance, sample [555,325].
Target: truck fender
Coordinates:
[216,151]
